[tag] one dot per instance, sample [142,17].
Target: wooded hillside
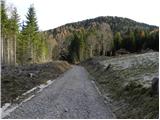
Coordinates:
[23,43]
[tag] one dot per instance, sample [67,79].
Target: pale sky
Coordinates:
[54,13]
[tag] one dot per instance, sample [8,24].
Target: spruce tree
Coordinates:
[81,45]
[132,41]
[32,20]
[10,31]
[30,33]
[4,19]
[22,45]
[4,23]
[14,21]
[117,40]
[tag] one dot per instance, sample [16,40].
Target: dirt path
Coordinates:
[71,96]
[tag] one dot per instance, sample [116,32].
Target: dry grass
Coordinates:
[129,97]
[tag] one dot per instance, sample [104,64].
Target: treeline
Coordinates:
[137,40]
[84,44]
[9,34]
[77,48]
[21,43]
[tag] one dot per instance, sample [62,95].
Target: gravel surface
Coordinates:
[72,95]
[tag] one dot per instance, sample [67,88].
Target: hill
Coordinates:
[98,35]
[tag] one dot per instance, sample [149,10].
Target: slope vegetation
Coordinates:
[126,81]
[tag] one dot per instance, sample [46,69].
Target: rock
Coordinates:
[122,51]
[107,67]
[65,110]
[31,75]
[57,75]
[2,67]
[147,50]
[155,85]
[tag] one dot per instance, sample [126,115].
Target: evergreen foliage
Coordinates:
[137,40]
[77,46]
[117,40]
[86,39]
[23,47]
[32,43]
[4,18]
[9,36]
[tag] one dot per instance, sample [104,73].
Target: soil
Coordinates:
[17,80]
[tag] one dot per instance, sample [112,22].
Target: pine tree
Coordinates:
[31,19]
[77,46]
[22,45]
[73,49]
[139,39]
[4,18]
[42,49]
[117,40]
[4,23]
[14,21]
[9,35]
[32,46]
[81,45]
[132,41]
[31,34]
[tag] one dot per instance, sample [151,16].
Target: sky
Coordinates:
[53,13]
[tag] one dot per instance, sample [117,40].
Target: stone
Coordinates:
[155,85]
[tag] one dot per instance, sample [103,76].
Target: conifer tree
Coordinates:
[14,27]
[10,30]
[4,18]
[4,23]
[30,33]
[132,41]
[117,40]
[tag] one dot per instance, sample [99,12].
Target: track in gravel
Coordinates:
[73,95]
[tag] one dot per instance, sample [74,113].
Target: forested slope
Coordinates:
[127,34]
[23,43]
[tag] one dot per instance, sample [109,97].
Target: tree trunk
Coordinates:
[5,50]
[15,45]
[8,52]
[91,51]
[2,59]
[11,50]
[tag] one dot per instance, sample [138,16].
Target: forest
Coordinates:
[23,43]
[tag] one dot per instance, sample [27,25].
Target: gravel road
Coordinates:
[72,95]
